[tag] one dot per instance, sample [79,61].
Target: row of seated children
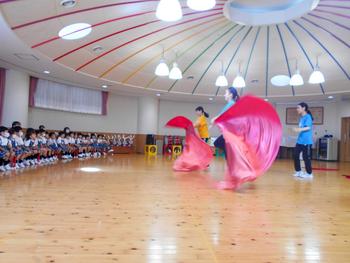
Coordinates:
[37,147]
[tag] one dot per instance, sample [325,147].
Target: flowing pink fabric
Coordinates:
[196,154]
[2,90]
[33,84]
[253,133]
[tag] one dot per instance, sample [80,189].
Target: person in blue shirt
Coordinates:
[304,141]
[231,96]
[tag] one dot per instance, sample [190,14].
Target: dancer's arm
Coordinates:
[301,129]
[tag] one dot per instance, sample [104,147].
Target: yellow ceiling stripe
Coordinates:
[188,49]
[153,44]
[131,75]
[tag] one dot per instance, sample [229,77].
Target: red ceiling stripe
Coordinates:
[119,32]
[143,36]
[95,25]
[81,11]
[6,1]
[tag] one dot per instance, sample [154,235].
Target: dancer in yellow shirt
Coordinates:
[201,124]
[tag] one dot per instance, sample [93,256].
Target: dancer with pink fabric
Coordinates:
[252,134]
[196,154]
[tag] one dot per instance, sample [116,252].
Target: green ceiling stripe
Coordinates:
[250,56]
[235,53]
[191,47]
[201,54]
[218,54]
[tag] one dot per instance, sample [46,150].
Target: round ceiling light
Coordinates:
[68,3]
[201,5]
[280,80]
[75,31]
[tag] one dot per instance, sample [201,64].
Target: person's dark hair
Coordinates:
[15,124]
[65,129]
[29,133]
[51,133]
[200,108]
[17,129]
[61,133]
[306,107]
[41,127]
[3,128]
[234,93]
[11,131]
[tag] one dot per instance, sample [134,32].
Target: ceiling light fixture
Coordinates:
[169,10]
[162,69]
[316,76]
[280,80]
[239,81]
[46,72]
[175,72]
[75,31]
[97,49]
[201,5]
[104,86]
[331,97]
[221,80]
[296,79]
[68,3]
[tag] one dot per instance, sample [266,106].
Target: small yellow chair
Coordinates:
[151,150]
[176,150]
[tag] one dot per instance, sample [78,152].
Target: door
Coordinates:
[345,140]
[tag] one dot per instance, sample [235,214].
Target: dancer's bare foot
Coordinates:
[226,185]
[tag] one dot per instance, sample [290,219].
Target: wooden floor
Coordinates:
[138,210]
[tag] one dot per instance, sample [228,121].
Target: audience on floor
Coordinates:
[19,149]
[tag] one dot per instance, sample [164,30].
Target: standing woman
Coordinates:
[231,96]
[201,124]
[304,142]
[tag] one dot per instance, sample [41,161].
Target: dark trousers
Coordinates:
[307,155]
[220,143]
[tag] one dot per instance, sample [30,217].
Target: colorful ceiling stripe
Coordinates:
[153,44]
[201,54]
[182,53]
[143,36]
[206,37]
[132,74]
[285,54]
[304,52]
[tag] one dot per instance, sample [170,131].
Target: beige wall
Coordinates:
[331,121]
[122,117]
[16,98]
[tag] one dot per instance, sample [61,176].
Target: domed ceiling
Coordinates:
[126,41]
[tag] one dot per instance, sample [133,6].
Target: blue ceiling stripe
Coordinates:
[325,49]
[329,32]
[330,20]
[250,56]
[267,60]
[218,54]
[302,48]
[235,53]
[285,56]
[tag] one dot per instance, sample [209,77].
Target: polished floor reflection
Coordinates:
[127,208]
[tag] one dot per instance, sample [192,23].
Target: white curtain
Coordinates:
[53,95]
